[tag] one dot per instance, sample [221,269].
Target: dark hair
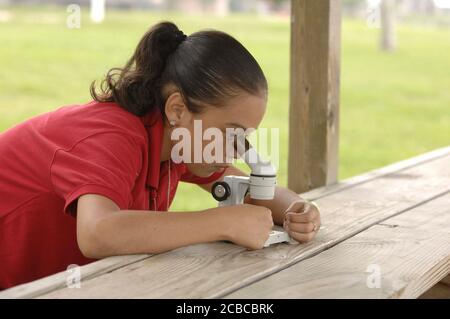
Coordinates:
[207,67]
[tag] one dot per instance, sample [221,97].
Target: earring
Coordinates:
[172,123]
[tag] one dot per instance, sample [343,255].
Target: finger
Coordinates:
[309,215]
[296,207]
[301,237]
[300,227]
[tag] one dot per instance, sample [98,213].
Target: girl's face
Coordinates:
[243,112]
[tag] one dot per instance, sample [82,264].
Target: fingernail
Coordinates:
[305,209]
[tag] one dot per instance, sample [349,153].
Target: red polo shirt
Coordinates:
[49,161]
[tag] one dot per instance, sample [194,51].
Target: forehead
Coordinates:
[244,110]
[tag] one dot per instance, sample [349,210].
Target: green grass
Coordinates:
[393,106]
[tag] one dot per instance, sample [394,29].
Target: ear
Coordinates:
[176,110]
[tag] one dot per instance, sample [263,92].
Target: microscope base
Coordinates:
[277,236]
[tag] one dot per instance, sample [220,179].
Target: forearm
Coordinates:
[283,198]
[135,232]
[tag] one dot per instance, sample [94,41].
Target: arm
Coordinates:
[104,230]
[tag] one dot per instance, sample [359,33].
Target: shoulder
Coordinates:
[79,122]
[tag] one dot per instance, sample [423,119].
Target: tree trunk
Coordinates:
[388,40]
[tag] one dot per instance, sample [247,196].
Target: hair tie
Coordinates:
[180,36]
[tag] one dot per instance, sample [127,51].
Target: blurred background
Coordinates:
[395,73]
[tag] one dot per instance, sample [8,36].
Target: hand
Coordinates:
[248,225]
[302,221]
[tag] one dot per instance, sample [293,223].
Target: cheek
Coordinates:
[206,147]
[196,150]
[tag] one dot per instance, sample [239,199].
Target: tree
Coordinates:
[387,15]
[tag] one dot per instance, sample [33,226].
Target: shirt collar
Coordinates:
[154,126]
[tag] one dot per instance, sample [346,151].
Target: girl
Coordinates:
[89,181]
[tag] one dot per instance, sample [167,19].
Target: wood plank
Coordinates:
[446,281]
[396,167]
[58,280]
[438,291]
[410,252]
[216,269]
[314,94]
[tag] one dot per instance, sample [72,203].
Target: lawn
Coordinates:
[393,106]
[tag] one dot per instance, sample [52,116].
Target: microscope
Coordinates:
[260,184]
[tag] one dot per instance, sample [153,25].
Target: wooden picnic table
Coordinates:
[386,234]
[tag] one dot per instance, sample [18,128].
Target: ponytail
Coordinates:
[136,86]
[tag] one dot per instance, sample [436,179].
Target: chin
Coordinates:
[208,171]
[204,171]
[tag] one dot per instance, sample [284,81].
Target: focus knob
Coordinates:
[221,191]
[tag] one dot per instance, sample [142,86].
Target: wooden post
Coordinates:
[314,94]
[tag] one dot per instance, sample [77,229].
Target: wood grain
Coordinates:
[411,252]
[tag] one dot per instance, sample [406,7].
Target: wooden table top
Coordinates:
[386,234]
